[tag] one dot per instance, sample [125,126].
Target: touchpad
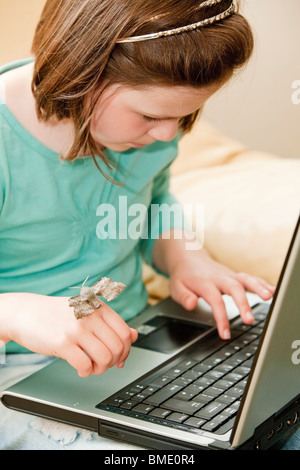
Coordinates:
[166,335]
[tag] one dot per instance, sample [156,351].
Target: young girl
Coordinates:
[93,118]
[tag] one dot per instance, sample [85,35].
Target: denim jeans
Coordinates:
[20,431]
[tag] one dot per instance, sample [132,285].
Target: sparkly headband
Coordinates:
[183,29]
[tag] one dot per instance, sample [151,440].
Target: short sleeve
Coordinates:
[164,214]
[3,169]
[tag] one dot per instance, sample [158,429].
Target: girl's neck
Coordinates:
[56,135]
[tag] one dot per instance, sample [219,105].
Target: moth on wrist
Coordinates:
[87,301]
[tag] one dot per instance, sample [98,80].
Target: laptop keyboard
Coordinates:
[201,389]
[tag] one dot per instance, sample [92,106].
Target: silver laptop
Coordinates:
[184,388]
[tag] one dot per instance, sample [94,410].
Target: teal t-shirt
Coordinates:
[61,222]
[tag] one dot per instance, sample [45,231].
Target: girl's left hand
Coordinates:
[197,275]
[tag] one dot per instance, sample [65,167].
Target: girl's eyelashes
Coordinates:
[148,118]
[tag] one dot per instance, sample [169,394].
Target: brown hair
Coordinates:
[76,52]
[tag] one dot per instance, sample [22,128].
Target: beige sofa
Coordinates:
[251,202]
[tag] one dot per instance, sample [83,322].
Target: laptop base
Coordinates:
[266,435]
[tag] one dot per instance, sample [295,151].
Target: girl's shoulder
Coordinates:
[10,72]
[2,90]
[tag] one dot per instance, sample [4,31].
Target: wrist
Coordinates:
[176,248]
[4,318]
[14,308]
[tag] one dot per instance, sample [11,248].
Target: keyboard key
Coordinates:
[127,405]
[182,381]
[150,390]
[225,353]
[232,409]
[192,374]
[161,381]
[195,388]
[177,417]
[145,393]
[195,422]
[186,395]
[214,423]
[211,361]
[226,427]
[203,382]
[142,408]
[227,399]
[127,395]
[236,391]
[163,394]
[246,339]
[138,397]
[243,370]
[224,368]
[214,374]
[211,410]
[240,326]
[173,373]
[202,368]
[159,412]
[137,388]
[187,364]
[188,407]
[214,391]
[224,384]
[233,362]
[204,397]
[202,350]
[116,401]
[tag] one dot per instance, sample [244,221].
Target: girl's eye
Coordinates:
[148,118]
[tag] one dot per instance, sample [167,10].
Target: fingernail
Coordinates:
[249,317]
[189,303]
[120,365]
[266,292]
[226,334]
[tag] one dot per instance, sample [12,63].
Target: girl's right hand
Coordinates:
[46,325]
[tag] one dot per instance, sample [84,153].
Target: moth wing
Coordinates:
[81,307]
[107,288]
[94,302]
[99,286]
[115,289]
[74,301]
[83,310]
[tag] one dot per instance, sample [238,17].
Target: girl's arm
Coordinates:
[46,325]
[195,274]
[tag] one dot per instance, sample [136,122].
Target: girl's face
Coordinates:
[130,117]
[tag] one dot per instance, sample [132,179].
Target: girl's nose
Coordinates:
[165,130]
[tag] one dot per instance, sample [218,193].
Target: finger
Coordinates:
[256,285]
[211,294]
[134,336]
[77,358]
[183,295]
[120,327]
[213,297]
[100,355]
[238,293]
[111,339]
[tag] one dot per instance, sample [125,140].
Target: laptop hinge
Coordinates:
[269,432]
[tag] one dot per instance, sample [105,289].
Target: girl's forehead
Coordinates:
[185,99]
[167,92]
